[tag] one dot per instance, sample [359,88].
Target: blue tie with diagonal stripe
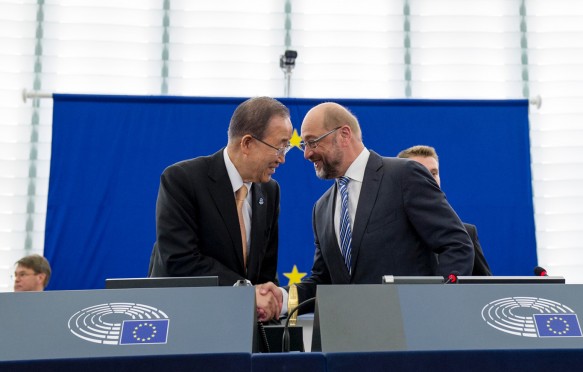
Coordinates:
[345,231]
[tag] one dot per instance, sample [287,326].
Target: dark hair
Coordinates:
[253,115]
[38,264]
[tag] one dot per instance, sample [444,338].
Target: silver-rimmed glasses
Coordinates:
[280,151]
[312,144]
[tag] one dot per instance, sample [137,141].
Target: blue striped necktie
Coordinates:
[345,231]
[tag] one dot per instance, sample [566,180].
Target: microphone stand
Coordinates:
[285,343]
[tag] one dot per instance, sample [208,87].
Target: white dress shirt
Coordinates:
[237,182]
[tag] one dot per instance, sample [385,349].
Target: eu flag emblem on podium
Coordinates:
[134,332]
[557,325]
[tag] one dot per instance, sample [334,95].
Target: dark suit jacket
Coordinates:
[402,219]
[481,267]
[197,228]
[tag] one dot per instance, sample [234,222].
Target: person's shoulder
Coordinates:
[375,158]
[269,186]
[325,196]
[189,165]
[389,163]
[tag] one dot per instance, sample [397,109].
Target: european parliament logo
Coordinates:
[120,324]
[532,317]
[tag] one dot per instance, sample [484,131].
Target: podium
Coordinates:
[127,322]
[366,318]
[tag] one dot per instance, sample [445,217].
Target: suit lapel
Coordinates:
[221,191]
[258,223]
[332,250]
[368,194]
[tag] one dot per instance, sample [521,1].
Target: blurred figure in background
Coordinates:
[427,156]
[32,273]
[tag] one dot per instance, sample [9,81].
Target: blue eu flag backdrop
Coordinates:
[108,153]
[144,332]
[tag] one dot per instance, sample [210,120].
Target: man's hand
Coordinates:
[269,301]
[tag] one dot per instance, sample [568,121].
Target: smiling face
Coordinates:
[327,156]
[262,159]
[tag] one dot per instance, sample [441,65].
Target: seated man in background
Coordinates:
[32,273]
[427,156]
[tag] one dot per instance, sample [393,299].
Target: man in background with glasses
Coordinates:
[382,216]
[218,215]
[32,274]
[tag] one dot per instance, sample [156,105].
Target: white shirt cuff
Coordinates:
[284,305]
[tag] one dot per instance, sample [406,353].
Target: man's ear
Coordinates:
[346,132]
[41,278]
[245,144]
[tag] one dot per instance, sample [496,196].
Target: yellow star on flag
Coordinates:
[295,139]
[294,277]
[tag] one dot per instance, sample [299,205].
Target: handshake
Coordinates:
[269,301]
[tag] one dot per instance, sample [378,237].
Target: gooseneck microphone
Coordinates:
[452,277]
[539,271]
[285,341]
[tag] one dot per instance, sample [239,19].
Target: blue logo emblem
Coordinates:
[105,324]
[144,332]
[557,325]
[532,317]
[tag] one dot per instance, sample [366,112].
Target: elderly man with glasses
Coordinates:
[218,215]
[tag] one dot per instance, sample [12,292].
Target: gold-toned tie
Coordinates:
[240,196]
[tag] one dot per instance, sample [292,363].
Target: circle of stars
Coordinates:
[561,321]
[153,332]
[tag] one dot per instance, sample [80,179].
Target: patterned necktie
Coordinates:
[345,232]
[240,197]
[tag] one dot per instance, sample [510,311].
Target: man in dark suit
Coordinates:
[427,156]
[200,227]
[393,221]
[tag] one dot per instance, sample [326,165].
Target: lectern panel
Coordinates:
[126,322]
[484,316]
[358,318]
[448,317]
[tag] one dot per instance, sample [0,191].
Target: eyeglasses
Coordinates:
[312,144]
[281,151]
[21,275]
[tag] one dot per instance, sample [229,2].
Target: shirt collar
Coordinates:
[358,166]
[234,176]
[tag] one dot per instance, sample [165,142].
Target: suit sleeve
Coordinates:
[436,222]
[481,267]
[177,229]
[319,273]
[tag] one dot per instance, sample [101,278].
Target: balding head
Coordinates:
[332,139]
[332,115]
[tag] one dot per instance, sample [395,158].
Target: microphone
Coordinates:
[452,277]
[539,271]
[285,341]
[292,302]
